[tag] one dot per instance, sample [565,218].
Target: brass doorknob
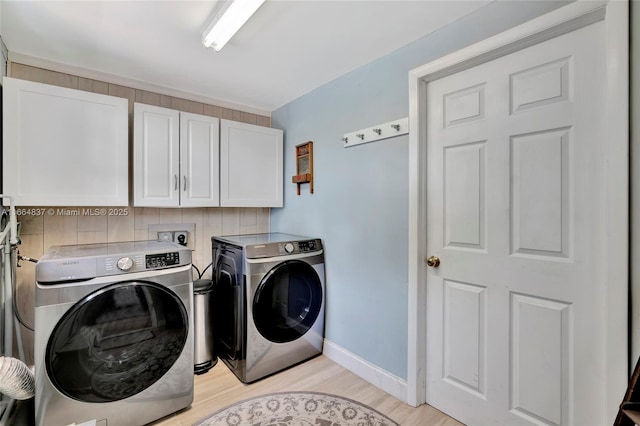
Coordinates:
[433,261]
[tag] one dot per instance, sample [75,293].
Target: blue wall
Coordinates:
[360,204]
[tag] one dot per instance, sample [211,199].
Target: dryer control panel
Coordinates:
[283,248]
[307,246]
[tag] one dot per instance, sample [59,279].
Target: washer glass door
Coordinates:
[287,301]
[117,341]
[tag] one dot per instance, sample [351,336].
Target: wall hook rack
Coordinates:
[377,132]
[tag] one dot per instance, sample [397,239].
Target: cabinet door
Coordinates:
[199,160]
[64,147]
[251,165]
[156,155]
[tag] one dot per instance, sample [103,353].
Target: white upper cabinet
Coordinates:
[64,147]
[199,160]
[176,157]
[191,160]
[251,165]
[156,156]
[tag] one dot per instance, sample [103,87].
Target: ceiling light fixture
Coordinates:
[227,20]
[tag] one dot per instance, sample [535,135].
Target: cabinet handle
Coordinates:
[185,183]
[175,182]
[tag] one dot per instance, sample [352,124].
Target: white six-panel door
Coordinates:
[516,213]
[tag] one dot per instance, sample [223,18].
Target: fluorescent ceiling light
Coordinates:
[227,20]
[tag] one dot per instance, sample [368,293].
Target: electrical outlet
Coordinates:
[181,237]
[165,236]
[181,233]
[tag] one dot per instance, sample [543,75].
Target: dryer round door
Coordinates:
[116,342]
[287,301]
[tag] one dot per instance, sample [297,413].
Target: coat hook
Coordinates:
[345,140]
[378,131]
[360,135]
[396,126]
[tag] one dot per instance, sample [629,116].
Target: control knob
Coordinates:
[288,247]
[125,263]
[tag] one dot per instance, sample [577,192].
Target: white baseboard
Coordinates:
[378,377]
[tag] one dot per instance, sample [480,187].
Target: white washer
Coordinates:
[114,334]
[268,302]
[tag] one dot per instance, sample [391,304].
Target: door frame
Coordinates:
[581,13]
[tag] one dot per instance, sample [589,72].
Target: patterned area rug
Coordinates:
[297,409]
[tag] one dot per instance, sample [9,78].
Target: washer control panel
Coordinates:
[82,262]
[162,260]
[125,263]
[140,262]
[120,264]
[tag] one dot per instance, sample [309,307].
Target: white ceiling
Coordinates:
[287,49]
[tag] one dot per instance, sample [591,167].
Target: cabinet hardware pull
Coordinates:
[175,182]
[185,183]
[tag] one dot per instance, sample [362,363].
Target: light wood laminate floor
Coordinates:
[219,388]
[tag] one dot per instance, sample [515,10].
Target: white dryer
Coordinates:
[113,333]
[268,302]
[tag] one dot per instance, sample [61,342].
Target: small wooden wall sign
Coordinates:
[304,166]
